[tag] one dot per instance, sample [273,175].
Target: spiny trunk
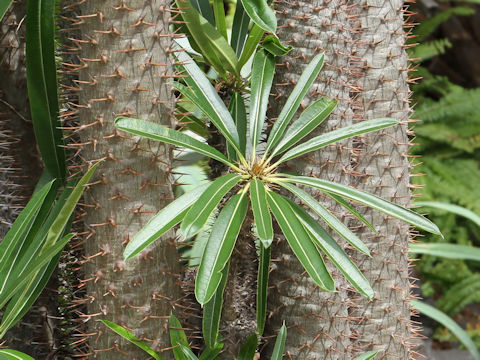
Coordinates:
[359,40]
[124,68]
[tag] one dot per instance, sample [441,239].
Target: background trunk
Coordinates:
[366,71]
[123,68]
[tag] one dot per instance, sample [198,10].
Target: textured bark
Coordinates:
[124,67]
[366,71]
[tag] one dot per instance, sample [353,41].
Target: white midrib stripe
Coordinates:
[258,103]
[259,207]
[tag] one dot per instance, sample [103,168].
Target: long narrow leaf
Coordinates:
[4,5]
[248,349]
[309,120]
[219,11]
[163,221]
[261,214]
[211,354]
[262,287]
[188,353]
[251,44]
[449,251]
[262,77]
[350,209]
[331,137]
[334,252]
[239,28]
[293,102]
[459,210]
[367,356]
[177,337]
[328,217]
[279,347]
[199,213]
[449,323]
[239,115]
[42,85]
[204,8]
[212,312]
[219,247]
[162,133]
[369,200]
[127,335]
[7,354]
[300,242]
[261,14]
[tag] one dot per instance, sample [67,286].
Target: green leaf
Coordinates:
[188,353]
[219,11]
[262,77]
[294,100]
[455,209]
[162,133]
[239,28]
[331,137]
[212,312]
[351,209]
[214,47]
[204,8]
[219,247]
[127,335]
[251,44]
[309,120]
[449,323]
[328,217]
[211,354]
[273,45]
[449,251]
[177,337]
[335,253]
[163,221]
[369,200]
[199,213]
[42,85]
[209,102]
[262,287]
[367,356]
[261,14]
[239,115]
[300,242]
[4,5]
[249,348]
[279,347]
[261,214]
[7,354]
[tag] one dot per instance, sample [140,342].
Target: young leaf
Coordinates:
[204,8]
[127,335]
[239,115]
[334,252]
[261,14]
[248,349]
[209,101]
[42,85]
[309,120]
[279,347]
[219,247]
[273,45]
[328,217]
[293,102]
[198,214]
[163,221]
[239,28]
[369,200]
[261,214]
[336,135]
[449,251]
[177,338]
[7,354]
[351,209]
[262,287]
[300,242]
[449,323]
[212,312]
[162,133]
[367,356]
[251,44]
[219,11]
[262,77]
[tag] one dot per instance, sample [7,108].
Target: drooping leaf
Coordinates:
[449,323]
[42,85]
[328,217]
[249,347]
[239,115]
[4,5]
[331,137]
[293,102]
[459,210]
[162,133]
[449,251]
[200,211]
[251,44]
[273,45]
[204,8]
[177,338]
[300,241]
[261,214]
[279,347]
[262,287]
[351,209]
[219,247]
[219,11]
[262,77]
[163,221]
[334,252]
[127,335]
[261,14]
[367,356]
[212,312]
[7,354]
[309,120]
[241,20]
[369,200]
